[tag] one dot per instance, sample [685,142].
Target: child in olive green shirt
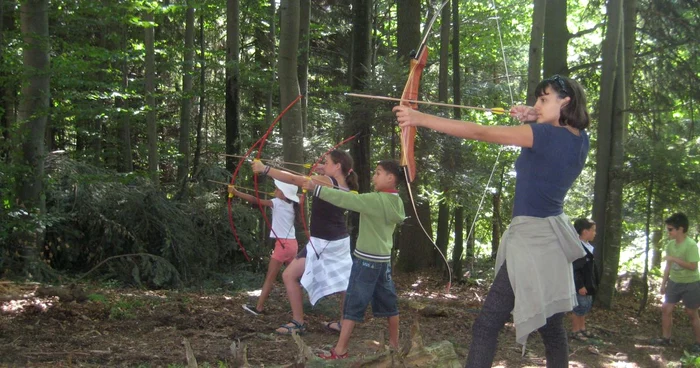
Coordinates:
[370,278]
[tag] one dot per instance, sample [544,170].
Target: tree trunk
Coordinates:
[292,136]
[647,245]
[270,95]
[8,89]
[408,15]
[556,37]
[657,244]
[443,230]
[414,253]
[125,161]
[443,90]
[32,113]
[186,100]
[608,186]
[470,240]
[202,94]
[360,118]
[443,224]
[101,75]
[456,70]
[459,243]
[233,139]
[304,25]
[151,100]
[534,66]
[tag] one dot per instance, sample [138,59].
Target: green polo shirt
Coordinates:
[687,250]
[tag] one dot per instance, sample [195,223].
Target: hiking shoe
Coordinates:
[252,310]
[661,341]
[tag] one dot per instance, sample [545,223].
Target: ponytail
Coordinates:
[346,164]
[352,180]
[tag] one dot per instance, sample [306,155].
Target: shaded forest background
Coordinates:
[117,117]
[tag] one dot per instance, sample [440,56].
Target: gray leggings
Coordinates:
[496,312]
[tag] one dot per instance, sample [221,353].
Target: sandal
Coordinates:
[332,355]
[578,335]
[295,328]
[330,326]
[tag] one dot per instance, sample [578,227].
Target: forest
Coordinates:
[123,122]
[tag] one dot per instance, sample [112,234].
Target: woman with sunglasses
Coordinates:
[533,267]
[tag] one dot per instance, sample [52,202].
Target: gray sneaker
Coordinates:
[252,310]
[660,341]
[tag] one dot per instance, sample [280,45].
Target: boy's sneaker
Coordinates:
[661,341]
[252,310]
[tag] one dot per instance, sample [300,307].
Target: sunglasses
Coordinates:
[560,82]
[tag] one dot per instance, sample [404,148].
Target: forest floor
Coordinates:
[141,328]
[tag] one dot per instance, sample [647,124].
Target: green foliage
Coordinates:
[96,215]
[690,360]
[98,298]
[123,309]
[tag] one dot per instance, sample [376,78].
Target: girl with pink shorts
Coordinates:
[283,215]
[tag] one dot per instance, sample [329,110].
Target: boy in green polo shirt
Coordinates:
[681,279]
[370,277]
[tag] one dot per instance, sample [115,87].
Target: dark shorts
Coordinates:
[585,302]
[301,254]
[370,282]
[689,293]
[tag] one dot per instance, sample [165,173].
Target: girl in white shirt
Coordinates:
[283,215]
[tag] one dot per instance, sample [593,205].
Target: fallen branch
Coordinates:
[191,359]
[239,352]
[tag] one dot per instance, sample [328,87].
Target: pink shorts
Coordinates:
[285,250]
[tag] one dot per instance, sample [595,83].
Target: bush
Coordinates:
[150,240]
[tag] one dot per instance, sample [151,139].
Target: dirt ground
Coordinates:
[140,328]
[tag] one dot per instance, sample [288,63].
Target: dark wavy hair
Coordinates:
[583,224]
[678,220]
[346,163]
[393,168]
[574,113]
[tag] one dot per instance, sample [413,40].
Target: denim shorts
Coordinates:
[585,302]
[370,282]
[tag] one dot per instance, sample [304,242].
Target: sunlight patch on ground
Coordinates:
[254,292]
[17,306]
[156,294]
[622,365]
[427,293]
